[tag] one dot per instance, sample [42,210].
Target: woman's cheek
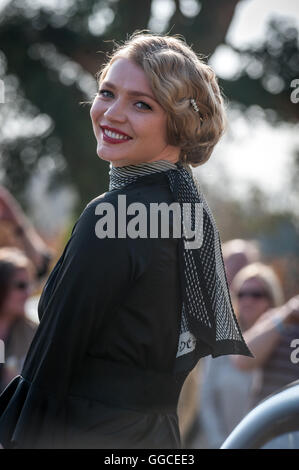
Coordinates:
[95,109]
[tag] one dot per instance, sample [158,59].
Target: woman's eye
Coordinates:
[103,93]
[143,105]
[109,94]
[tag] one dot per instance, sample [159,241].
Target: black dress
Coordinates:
[99,372]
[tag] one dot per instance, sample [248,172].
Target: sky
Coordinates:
[249,23]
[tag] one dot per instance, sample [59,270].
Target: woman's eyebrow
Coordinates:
[130,92]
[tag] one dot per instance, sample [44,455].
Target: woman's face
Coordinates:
[252,302]
[19,291]
[128,123]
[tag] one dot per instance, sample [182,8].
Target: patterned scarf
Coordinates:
[208,322]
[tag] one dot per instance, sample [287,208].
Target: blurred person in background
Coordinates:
[226,393]
[16,330]
[271,339]
[237,253]
[17,230]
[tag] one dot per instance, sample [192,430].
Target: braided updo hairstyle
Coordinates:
[178,75]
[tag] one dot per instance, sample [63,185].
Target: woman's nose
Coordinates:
[115,112]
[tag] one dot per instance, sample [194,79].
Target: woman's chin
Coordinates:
[104,155]
[107,154]
[107,158]
[112,157]
[101,156]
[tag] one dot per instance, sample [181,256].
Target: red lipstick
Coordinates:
[120,138]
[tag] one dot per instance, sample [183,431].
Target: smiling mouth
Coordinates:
[111,135]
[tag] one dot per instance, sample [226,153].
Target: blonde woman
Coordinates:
[227,393]
[273,337]
[131,306]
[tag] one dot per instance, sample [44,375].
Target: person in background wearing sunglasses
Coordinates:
[16,330]
[237,254]
[274,340]
[271,338]
[227,393]
[255,289]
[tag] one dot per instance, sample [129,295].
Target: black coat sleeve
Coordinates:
[89,281]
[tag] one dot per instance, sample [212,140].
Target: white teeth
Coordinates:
[114,135]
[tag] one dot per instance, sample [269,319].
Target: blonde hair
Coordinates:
[267,275]
[176,75]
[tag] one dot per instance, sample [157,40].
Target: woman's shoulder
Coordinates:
[151,188]
[108,196]
[143,203]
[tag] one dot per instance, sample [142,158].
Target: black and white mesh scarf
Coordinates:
[208,322]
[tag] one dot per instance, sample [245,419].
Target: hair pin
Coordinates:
[195,107]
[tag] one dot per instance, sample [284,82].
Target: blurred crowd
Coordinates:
[24,263]
[220,391]
[228,387]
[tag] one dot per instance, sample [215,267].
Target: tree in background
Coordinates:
[48,59]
